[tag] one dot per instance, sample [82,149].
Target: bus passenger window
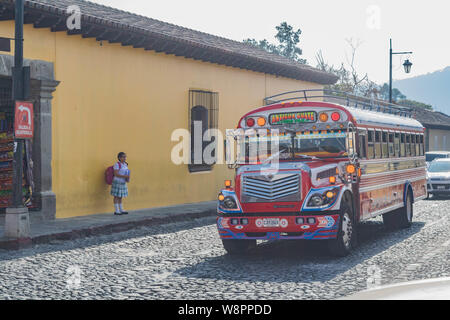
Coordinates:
[362,145]
[385,144]
[417,145]
[378,154]
[370,144]
[422,146]
[408,145]
[391,145]
[413,145]
[402,145]
[397,145]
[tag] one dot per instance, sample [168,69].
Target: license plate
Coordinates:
[441,187]
[271,222]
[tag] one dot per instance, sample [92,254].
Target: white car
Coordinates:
[433,155]
[438,177]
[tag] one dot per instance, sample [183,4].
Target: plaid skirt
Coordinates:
[119,189]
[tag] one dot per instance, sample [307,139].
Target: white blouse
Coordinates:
[122,171]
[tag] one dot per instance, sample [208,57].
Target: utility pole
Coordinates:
[17,223]
[18,94]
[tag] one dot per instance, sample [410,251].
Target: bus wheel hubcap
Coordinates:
[408,209]
[346,229]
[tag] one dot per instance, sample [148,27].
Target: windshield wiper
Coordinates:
[274,156]
[307,157]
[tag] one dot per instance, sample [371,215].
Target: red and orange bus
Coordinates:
[341,160]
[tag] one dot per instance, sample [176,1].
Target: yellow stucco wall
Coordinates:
[113,98]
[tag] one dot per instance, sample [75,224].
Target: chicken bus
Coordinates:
[341,160]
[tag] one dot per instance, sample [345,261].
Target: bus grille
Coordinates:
[285,187]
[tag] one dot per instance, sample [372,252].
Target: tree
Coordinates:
[349,79]
[351,82]
[396,94]
[288,40]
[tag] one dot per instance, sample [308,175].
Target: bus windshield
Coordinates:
[295,146]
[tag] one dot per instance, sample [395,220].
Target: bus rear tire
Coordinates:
[346,239]
[401,218]
[238,247]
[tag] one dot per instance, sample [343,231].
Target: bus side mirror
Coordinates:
[230,144]
[351,148]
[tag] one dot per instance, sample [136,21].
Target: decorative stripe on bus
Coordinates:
[382,186]
[380,174]
[388,179]
[380,167]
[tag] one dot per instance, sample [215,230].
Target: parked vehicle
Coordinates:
[432,155]
[338,164]
[438,177]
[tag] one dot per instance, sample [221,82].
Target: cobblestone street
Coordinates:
[186,260]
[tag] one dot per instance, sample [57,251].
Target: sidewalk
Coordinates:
[80,227]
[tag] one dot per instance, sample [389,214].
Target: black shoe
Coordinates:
[124,212]
[117,213]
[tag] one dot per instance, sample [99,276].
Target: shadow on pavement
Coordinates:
[300,261]
[80,243]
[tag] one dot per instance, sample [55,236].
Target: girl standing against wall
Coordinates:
[119,187]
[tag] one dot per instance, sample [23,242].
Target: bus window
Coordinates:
[391,145]
[418,145]
[362,145]
[413,144]
[371,145]
[378,154]
[408,145]
[397,144]
[385,147]
[422,146]
[402,145]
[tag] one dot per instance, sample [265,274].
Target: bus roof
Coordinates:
[362,117]
[365,111]
[380,119]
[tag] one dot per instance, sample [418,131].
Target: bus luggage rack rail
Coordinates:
[339,97]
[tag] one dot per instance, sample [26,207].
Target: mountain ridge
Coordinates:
[432,88]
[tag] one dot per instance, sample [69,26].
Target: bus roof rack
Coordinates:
[334,96]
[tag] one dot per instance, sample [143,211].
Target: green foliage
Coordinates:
[396,94]
[413,103]
[288,39]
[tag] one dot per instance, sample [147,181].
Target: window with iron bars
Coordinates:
[6,101]
[203,115]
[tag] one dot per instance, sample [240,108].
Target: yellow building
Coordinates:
[123,82]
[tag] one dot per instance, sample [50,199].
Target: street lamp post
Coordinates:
[17,218]
[407,65]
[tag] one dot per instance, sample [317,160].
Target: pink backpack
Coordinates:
[109,174]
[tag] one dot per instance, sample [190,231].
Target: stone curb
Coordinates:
[17,244]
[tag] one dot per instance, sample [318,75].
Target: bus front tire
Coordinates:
[401,218]
[238,247]
[346,239]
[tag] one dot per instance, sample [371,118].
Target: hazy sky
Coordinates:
[418,26]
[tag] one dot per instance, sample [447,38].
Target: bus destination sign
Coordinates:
[293,117]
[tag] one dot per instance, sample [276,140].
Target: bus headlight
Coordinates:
[229,203]
[324,198]
[316,200]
